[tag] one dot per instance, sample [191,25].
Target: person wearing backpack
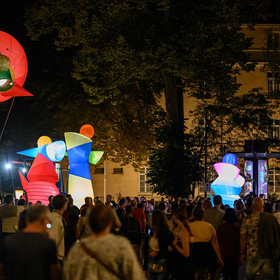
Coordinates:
[132,230]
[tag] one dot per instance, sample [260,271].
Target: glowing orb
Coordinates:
[44,140]
[87,130]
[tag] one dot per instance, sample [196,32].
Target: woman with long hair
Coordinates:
[161,240]
[182,267]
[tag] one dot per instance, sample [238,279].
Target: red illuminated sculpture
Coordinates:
[42,178]
[13,68]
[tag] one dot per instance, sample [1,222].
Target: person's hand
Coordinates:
[220,262]
[176,240]
[170,249]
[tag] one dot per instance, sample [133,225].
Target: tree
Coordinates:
[126,48]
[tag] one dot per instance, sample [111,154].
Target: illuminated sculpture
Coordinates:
[79,155]
[13,68]
[54,151]
[229,183]
[41,180]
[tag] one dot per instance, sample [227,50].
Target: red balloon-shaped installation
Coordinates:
[13,68]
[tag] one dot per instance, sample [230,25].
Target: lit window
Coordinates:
[143,178]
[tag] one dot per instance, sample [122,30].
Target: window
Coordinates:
[99,171]
[144,187]
[118,171]
[272,82]
[275,129]
[274,180]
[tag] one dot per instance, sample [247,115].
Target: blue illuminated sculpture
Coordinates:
[229,183]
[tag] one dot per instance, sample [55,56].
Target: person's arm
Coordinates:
[185,251]
[216,247]
[26,200]
[55,271]
[243,244]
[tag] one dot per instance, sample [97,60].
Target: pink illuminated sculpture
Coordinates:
[229,183]
[41,180]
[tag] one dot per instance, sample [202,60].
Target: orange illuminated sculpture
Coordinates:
[41,180]
[13,68]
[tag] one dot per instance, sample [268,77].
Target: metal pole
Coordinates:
[105,181]
[205,151]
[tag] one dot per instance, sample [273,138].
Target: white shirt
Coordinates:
[202,231]
[57,234]
[9,224]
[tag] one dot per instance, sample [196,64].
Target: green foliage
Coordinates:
[173,169]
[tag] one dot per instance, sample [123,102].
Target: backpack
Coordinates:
[132,230]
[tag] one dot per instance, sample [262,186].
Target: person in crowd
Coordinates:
[29,253]
[50,205]
[71,218]
[136,199]
[161,239]
[95,257]
[121,210]
[38,202]
[190,199]
[268,208]
[277,212]
[88,203]
[138,214]
[260,241]
[132,230]
[228,235]
[9,213]
[153,202]
[81,227]
[239,208]
[189,210]
[74,206]
[205,253]
[95,199]
[215,215]
[57,231]
[22,220]
[127,201]
[249,208]
[207,204]
[182,268]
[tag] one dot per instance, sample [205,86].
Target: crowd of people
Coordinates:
[177,239]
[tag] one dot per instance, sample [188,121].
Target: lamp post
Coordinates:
[9,167]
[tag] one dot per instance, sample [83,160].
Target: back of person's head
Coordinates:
[68,195]
[129,210]
[59,201]
[70,201]
[189,210]
[128,199]
[159,221]
[198,213]
[99,218]
[98,202]
[21,202]
[250,201]
[36,213]
[161,206]
[207,204]
[230,216]
[239,205]
[87,200]
[8,198]
[139,205]
[181,215]
[258,204]
[122,201]
[217,200]
[133,203]
[50,199]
